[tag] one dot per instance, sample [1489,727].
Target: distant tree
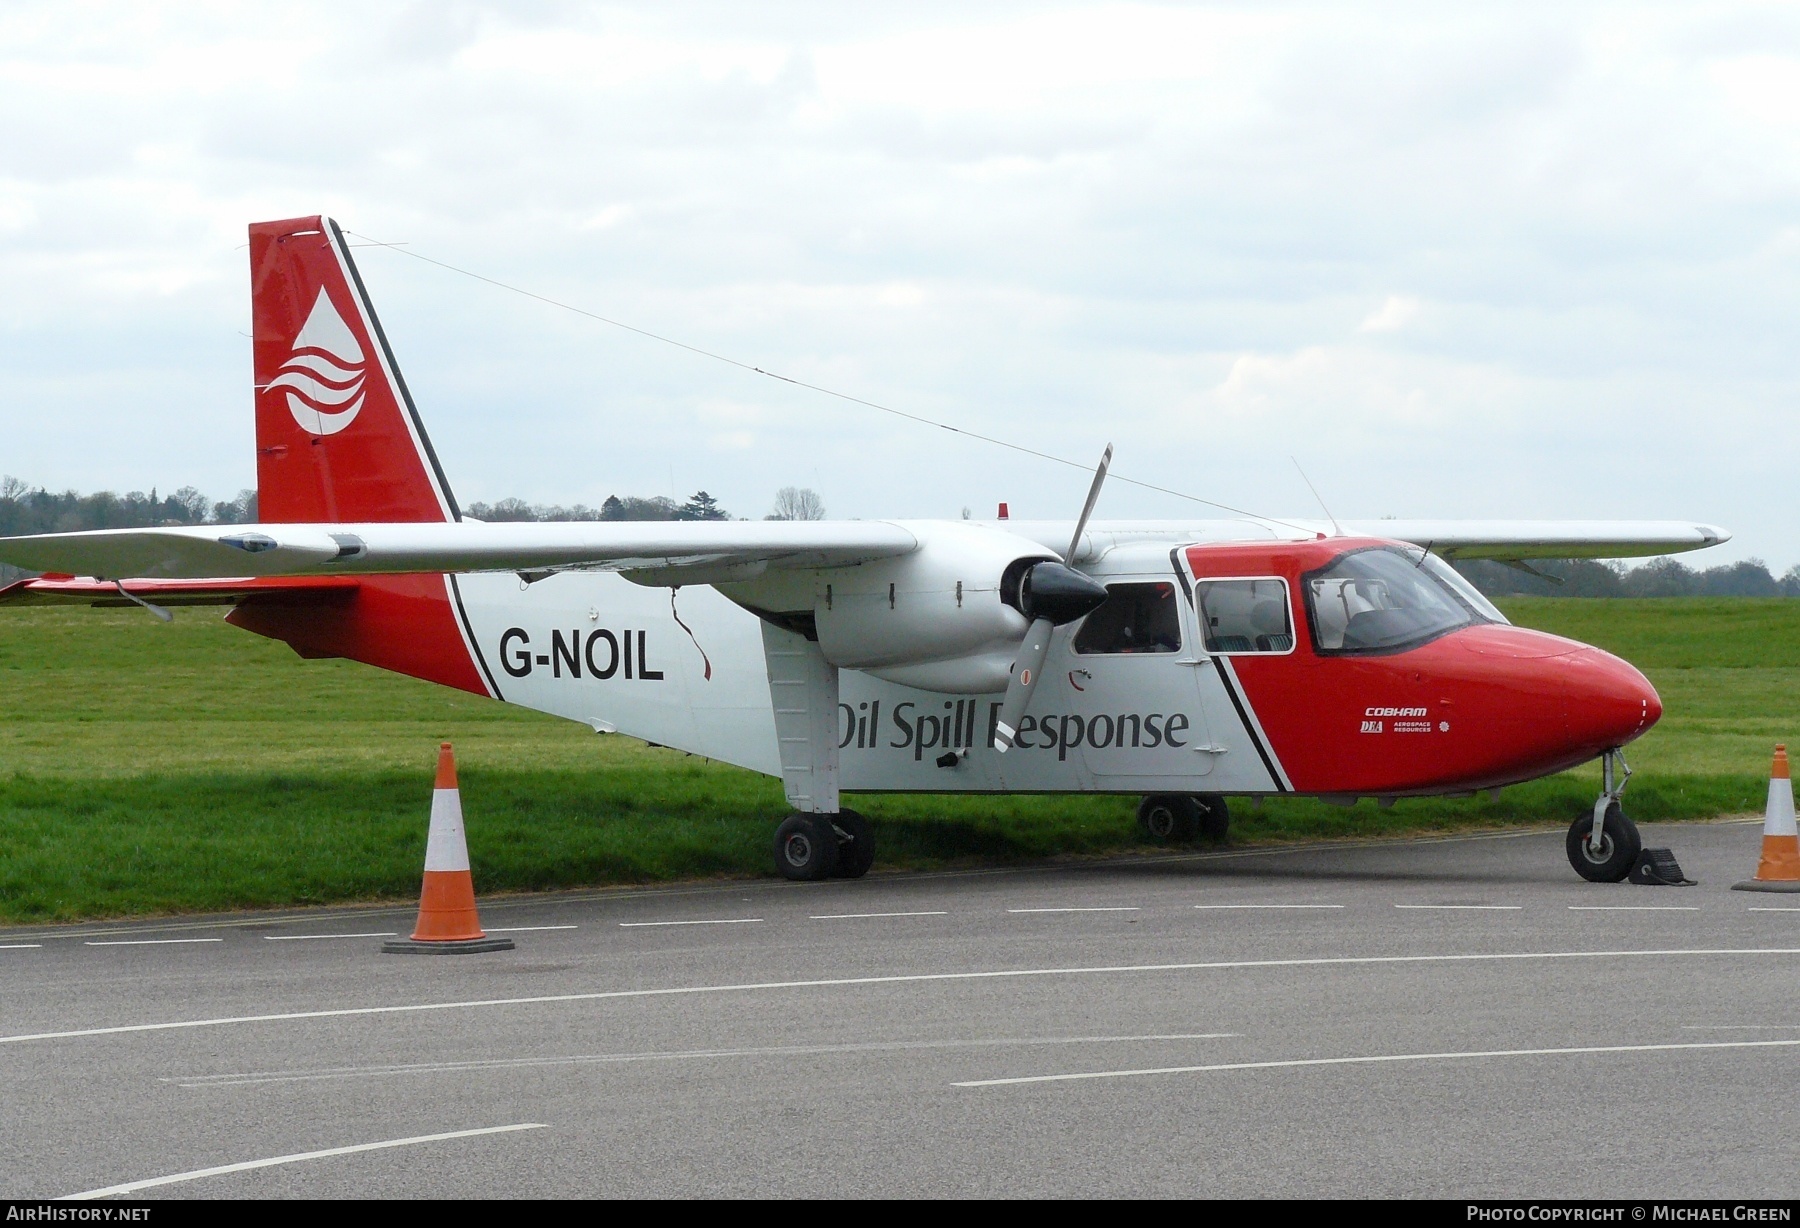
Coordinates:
[1749,578]
[1660,578]
[703,506]
[797,503]
[189,506]
[241,510]
[657,507]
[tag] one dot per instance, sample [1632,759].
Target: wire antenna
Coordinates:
[1335,531]
[403,250]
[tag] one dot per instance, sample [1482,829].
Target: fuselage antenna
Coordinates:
[1335,531]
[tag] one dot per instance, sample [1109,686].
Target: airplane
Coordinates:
[1183,661]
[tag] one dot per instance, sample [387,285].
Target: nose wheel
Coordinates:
[1605,845]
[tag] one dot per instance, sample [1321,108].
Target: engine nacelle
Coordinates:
[933,619]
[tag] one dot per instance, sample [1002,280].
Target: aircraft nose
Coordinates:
[1607,702]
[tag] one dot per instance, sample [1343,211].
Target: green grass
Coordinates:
[147,768]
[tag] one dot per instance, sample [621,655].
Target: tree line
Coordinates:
[1663,577]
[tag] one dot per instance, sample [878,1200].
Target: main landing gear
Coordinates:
[809,847]
[1605,845]
[1180,818]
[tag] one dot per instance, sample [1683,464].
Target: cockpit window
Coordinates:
[1385,600]
[1244,615]
[1135,618]
[1470,595]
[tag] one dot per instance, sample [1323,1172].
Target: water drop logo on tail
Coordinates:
[323,378]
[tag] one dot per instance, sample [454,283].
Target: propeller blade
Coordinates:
[1087,509]
[1026,667]
[1050,594]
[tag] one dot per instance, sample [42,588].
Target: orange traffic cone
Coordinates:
[447,920]
[1779,869]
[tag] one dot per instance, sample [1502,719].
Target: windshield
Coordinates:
[1383,600]
[1460,585]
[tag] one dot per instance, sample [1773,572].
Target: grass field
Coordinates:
[165,768]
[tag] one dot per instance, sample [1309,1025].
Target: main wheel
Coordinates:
[806,849]
[1215,816]
[1620,845]
[856,844]
[1169,818]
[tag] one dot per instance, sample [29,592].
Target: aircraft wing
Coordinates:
[1545,539]
[669,552]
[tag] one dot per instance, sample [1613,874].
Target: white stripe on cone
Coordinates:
[1778,819]
[448,850]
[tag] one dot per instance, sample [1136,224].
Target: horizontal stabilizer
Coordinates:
[86,590]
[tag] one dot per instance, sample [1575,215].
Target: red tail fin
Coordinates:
[337,437]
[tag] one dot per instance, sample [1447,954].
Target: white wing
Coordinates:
[690,552]
[1545,539]
[703,552]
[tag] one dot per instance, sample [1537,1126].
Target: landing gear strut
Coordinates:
[809,847]
[1605,845]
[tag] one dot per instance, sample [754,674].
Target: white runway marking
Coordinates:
[22,946]
[528,929]
[1754,908]
[1384,1058]
[641,925]
[614,995]
[1634,908]
[146,942]
[1466,907]
[1228,906]
[1113,908]
[858,916]
[131,1187]
[515,1063]
[1739,1027]
[311,937]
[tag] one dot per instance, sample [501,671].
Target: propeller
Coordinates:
[1050,594]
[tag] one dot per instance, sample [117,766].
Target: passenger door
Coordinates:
[1133,675]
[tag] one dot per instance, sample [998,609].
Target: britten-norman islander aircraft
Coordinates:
[1186,661]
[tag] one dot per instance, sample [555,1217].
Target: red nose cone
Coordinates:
[1607,702]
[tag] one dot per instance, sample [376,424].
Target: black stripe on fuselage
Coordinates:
[1228,677]
[474,644]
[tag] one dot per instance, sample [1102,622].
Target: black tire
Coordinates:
[1620,845]
[856,844]
[806,849]
[1215,816]
[1169,818]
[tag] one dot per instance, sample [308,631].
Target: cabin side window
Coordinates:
[1244,616]
[1135,618]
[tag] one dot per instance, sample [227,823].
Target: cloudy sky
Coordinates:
[1513,260]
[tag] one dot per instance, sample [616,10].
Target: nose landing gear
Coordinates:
[1604,846]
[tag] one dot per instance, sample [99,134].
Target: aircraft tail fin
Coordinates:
[337,435]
